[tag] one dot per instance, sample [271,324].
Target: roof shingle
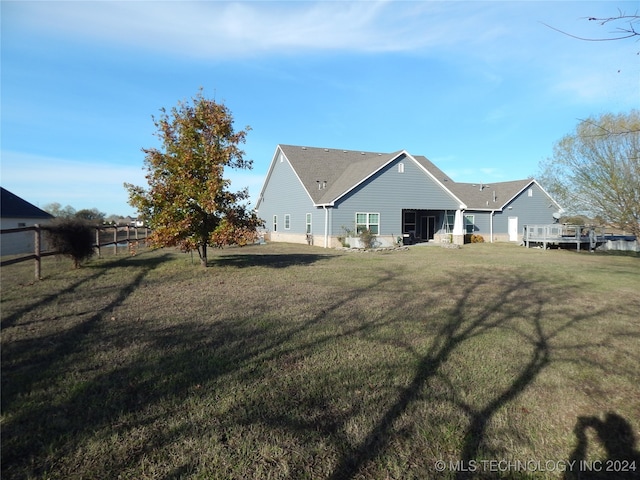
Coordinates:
[327,174]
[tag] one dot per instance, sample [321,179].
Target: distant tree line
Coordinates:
[92,215]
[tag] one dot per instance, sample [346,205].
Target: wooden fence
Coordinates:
[106,236]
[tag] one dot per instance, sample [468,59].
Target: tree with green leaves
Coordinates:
[58,210]
[188,203]
[595,170]
[92,215]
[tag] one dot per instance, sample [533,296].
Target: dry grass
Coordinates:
[286,361]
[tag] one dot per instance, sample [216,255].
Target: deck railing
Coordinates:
[562,235]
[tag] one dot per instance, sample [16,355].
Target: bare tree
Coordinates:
[596,170]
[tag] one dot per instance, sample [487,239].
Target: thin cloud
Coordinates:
[230,30]
[56,170]
[87,183]
[81,184]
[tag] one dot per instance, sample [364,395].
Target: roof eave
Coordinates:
[273,162]
[463,205]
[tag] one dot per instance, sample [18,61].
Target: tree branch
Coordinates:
[624,32]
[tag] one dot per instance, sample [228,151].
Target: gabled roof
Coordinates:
[12,206]
[342,170]
[493,196]
[328,174]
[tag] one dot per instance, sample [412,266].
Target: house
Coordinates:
[16,213]
[316,195]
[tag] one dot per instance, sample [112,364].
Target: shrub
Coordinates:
[368,238]
[71,237]
[346,233]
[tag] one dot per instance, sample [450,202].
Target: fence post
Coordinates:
[37,250]
[98,240]
[115,240]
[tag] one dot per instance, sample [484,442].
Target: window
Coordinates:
[450,220]
[287,221]
[409,222]
[530,192]
[308,230]
[368,221]
[275,223]
[401,167]
[469,223]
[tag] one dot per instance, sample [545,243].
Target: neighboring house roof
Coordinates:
[343,170]
[12,206]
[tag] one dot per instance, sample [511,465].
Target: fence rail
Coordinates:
[105,236]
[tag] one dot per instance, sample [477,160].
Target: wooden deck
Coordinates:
[563,236]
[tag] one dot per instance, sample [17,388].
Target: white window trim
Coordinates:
[287,221]
[468,223]
[308,225]
[275,223]
[448,226]
[368,223]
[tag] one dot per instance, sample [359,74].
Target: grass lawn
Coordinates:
[289,361]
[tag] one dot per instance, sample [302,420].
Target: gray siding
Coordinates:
[388,192]
[481,222]
[529,210]
[285,195]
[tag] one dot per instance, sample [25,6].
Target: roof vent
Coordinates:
[304,148]
[326,149]
[361,153]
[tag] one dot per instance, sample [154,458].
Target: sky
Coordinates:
[482,89]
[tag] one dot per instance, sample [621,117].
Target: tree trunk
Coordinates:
[203,255]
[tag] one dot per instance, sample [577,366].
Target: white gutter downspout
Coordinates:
[326,227]
[493,212]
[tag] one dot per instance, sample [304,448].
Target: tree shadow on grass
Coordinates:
[518,296]
[518,307]
[98,270]
[176,361]
[268,260]
[33,361]
[276,391]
